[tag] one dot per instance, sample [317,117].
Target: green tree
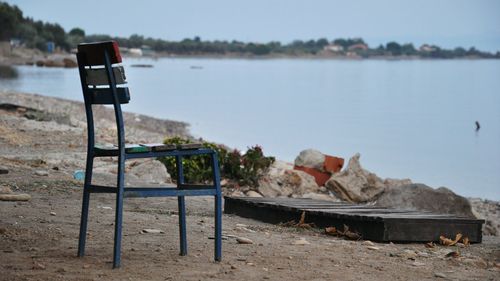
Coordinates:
[394,48]
[77,32]
[10,18]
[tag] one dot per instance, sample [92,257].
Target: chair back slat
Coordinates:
[99,77]
[97,86]
[105,96]
[94,52]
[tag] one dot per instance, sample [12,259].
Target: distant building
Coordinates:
[358,47]
[333,48]
[14,42]
[427,48]
[147,51]
[135,52]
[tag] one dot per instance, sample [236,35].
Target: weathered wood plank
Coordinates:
[372,222]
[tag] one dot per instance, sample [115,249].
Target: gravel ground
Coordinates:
[38,238]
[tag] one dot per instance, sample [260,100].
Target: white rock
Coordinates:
[15,197]
[244,240]
[252,193]
[152,231]
[368,243]
[355,184]
[41,173]
[310,158]
[151,171]
[301,241]
[320,196]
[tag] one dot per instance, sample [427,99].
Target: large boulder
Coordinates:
[150,171]
[282,180]
[355,184]
[424,198]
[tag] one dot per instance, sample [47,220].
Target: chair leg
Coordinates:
[218,209]
[85,207]
[119,215]
[182,207]
[218,228]
[83,223]
[182,225]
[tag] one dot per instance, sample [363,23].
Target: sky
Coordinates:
[447,23]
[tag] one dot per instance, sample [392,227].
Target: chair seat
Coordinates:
[112,150]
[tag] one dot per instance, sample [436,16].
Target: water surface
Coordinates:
[408,119]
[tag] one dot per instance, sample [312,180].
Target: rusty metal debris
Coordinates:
[301,224]
[346,233]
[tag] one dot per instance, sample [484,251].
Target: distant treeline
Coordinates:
[36,34]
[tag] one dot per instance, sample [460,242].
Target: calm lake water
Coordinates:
[408,119]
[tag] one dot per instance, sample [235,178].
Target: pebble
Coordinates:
[38,266]
[233,267]
[3,171]
[152,231]
[41,173]
[15,197]
[416,263]
[5,190]
[373,248]
[244,240]
[53,213]
[368,243]
[301,241]
[440,275]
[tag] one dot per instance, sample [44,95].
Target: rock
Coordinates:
[41,173]
[70,63]
[15,197]
[356,184]
[5,190]
[243,240]
[302,241]
[373,248]
[252,193]
[417,264]
[440,275]
[151,171]
[282,180]
[310,158]
[424,198]
[53,213]
[278,168]
[237,193]
[3,171]
[53,63]
[490,211]
[152,231]
[368,243]
[320,196]
[38,266]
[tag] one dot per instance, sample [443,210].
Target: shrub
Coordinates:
[7,71]
[244,169]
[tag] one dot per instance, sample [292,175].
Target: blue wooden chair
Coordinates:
[100,76]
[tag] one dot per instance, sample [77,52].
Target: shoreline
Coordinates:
[25,56]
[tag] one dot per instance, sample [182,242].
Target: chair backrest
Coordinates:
[94,61]
[102,82]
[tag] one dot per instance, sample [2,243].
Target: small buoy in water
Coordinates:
[478,126]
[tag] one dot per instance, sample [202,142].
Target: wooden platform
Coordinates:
[372,222]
